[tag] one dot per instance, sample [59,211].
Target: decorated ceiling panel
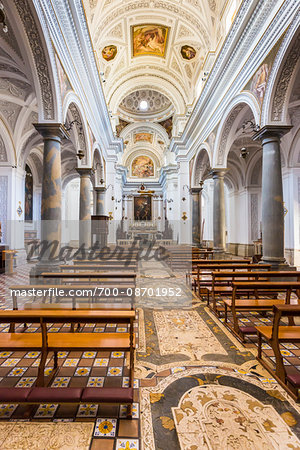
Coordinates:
[167,40]
[152,56]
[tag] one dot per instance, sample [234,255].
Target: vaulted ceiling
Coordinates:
[159,51]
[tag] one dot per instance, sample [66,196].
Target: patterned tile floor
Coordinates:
[112,430]
[169,362]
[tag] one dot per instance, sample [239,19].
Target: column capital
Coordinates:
[84,171]
[218,173]
[272,131]
[55,131]
[196,190]
[100,189]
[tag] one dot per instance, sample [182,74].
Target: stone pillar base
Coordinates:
[277,264]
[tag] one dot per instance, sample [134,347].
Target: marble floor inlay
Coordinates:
[185,332]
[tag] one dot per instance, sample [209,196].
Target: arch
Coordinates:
[284,69]
[294,153]
[36,167]
[67,179]
[231,114]
[98,158]
[142,126]
[142,82]
[144,151]
[254,169]
[73,106]
[33,140]
[7,149]
[204,149]
[41,60]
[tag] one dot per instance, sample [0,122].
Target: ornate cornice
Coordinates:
[239,58]
[39,55]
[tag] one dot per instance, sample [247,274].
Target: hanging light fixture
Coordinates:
[2,19]
[244,152]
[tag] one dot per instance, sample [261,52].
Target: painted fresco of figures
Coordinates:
[259,82]
[149,40]
[142,167]
[109,52]
[188,52]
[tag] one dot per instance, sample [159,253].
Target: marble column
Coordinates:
[51,190]
[85,207]
[100,200]
[196,215]
[219,210]
[272,195]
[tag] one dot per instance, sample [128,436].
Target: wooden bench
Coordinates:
[107,265]
[59,292]
[115,278]
[219,280]
[41,395]
[114,284]
[207,282]
[53,292]
[256,304]
[193,273]
[47,342]
[287,377]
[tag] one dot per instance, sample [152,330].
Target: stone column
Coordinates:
[100,200]
[51,191]
[85,207]
[219,210]
[196,216]
[272,195]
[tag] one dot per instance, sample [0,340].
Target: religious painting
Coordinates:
[148,137]
[109,52]
[168,126]
[121,126]
[28,194]
[64,83]
[149,40]
[142,208]
[142,167]
[259,82]
[188,52]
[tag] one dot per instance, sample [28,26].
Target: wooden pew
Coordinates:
[220,288]
[67,293]
[256,304]
[193,273]
[180,260]
[55,342]
[99,268]
[111,264]
[114,278]
[219,267]
[276,334]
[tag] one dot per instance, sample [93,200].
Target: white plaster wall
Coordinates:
[70,212]
[207,196]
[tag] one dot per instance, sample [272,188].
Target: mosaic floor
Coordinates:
[196,386]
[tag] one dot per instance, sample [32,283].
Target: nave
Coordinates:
[195,384]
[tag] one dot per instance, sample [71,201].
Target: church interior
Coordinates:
[149,224]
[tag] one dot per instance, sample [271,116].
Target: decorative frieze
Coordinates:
[39,56]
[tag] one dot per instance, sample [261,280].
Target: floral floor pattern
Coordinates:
[196,386]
